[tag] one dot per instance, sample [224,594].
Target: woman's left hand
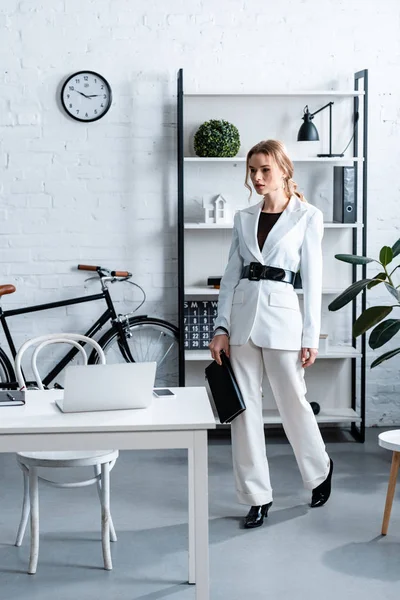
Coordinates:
[308,356]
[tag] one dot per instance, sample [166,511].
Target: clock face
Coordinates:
[86,96]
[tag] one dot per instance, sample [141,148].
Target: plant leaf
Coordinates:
[385,356]
[383,333]
[369,318]
[393,291]
[349,294]
[354,259]
[386,255]
[396,248]
[373,283]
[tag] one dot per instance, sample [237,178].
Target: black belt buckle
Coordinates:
[275,273]
[255,271]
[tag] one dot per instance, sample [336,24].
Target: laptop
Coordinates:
[108,387]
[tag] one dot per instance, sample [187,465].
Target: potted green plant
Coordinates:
[374,316]
[217,139]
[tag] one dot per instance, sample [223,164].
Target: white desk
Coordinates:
[180,422]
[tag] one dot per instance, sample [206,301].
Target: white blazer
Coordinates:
[269,310]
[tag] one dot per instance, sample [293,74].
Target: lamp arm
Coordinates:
[319,110]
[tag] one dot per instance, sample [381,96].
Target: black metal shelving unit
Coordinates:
[360,78]
[358,388]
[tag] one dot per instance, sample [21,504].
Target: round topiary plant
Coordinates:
[217,139]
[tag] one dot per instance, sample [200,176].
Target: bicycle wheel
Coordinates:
[7,374]
[149,339]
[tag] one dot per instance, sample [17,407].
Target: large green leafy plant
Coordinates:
[384,330]
[217,139]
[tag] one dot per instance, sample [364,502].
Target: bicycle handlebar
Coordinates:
[88,268]
[102,270]
[121,274]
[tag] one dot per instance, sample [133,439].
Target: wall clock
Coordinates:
[86,96]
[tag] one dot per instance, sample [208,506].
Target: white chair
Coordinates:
[391,441]
[102,460]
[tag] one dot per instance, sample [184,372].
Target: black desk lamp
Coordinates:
[309,133]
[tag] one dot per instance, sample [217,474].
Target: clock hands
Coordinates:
[90,96]
[82,94]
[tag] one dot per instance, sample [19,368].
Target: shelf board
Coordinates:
[209,291]
[336,352]
[327,415]
[344,94]
[208,225]
[236,159]
[331,225]
[216,226]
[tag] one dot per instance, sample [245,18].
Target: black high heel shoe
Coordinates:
[320,494]
[255,516]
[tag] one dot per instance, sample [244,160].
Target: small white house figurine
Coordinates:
[218,212]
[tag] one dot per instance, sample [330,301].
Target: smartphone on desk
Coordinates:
[163,393]
[12,398]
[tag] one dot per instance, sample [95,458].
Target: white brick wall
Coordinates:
[106,192]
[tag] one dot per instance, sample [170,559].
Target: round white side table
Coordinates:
[391,441]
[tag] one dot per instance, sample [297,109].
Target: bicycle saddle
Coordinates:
[7,289]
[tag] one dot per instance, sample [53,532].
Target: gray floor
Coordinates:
[326,553]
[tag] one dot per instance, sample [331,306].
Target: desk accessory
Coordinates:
[12,398]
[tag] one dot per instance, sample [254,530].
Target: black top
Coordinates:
[265,224]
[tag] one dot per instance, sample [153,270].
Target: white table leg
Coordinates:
[200,478]
[34,497]
[192,566]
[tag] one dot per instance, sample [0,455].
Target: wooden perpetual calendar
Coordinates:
[199,319]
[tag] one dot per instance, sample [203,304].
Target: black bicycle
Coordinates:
[129,338]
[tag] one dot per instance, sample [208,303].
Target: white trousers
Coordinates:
[286,377]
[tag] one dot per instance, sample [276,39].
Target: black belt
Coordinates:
[256,271]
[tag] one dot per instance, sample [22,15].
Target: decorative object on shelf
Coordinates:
[215,282]
[344,204]
[217,139]
[199,319]
[315,407]
[309,133]
[374,315]
[219,212]
[86,96]
[323,343]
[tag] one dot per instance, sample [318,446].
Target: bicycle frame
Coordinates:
[108,315]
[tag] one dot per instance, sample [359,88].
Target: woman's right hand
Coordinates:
[219,343]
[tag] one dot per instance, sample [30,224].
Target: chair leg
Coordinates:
[113,535]
[390,491]
[34,499]
[26,507]
[105,515]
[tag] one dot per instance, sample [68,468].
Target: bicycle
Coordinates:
[129,338]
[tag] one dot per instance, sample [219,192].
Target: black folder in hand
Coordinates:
[228,399]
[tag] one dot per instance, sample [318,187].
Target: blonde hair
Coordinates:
[278,152]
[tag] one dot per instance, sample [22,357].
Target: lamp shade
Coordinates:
[308,132]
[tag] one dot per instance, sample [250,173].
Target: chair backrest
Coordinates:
[54,338]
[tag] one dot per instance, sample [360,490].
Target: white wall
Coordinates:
[105,192]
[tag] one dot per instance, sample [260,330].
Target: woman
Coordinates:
[260,326]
